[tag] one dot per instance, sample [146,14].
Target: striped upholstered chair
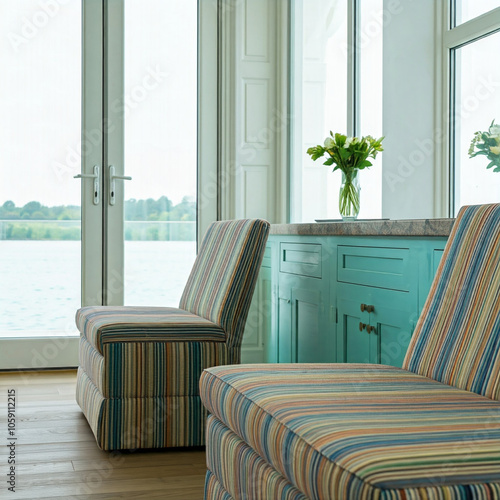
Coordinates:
[140,366]
[429,430]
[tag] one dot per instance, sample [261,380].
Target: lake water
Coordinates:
[40,282]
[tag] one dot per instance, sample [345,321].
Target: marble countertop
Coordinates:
[375,227]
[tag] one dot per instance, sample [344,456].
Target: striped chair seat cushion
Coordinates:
[351,431]
[103,325]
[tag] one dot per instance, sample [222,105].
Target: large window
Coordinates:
[336,85]
[474,97]
[466,10]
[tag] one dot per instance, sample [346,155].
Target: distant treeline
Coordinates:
[46,227]
[135,210]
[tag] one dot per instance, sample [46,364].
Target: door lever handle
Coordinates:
[95,176]
[112,184]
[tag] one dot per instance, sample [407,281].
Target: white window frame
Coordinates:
[452,38]
[353,93]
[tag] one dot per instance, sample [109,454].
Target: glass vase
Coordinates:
[349,196]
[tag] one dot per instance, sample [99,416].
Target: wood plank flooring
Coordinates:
[57,456]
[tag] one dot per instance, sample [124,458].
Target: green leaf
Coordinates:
[365,164]
[344,153]
[328,162]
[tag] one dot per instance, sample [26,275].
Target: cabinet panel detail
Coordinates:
[312,341]
[267,259]
[377,267]
[437,254]
[303,259]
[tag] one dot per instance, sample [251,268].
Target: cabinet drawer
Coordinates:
[301,258]
[374,266]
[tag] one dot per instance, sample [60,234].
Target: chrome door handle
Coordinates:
[95,176]
[112,184]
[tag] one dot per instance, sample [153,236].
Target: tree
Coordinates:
[30,207]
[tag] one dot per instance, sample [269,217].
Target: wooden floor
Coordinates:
[57,456]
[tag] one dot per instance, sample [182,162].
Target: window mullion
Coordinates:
[353,67]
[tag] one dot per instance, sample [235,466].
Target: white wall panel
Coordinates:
[255,189]
[256,112]
[250,147]
[256,48]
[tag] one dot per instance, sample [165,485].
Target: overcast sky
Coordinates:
[40,100]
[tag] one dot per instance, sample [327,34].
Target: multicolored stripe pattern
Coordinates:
[102,325]
[130,369]
[457,339]
[140,366]
[214,490]
[240,469]
[131,423]
[341,431]
[224,275]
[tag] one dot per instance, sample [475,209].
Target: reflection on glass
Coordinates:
[477,104]
[40,127]
[465,10]
[370,101]
[319,103]
[160,149]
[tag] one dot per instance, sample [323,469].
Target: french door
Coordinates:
[121,152]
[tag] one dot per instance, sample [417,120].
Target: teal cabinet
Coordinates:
[352,299]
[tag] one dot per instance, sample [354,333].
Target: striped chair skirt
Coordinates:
[138,374]
[341,431]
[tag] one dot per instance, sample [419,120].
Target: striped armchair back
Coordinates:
[223,278]
[457,338]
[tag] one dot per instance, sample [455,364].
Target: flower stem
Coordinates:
[349,200]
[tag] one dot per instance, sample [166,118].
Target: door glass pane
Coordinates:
[465,10]
[40,115]
[319,83]
[160,149]
[370,101]
[477,103]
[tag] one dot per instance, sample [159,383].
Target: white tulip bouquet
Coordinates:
[487,144]
[349,154]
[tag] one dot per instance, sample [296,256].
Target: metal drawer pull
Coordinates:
[367,308]
[370,329]
[362,326]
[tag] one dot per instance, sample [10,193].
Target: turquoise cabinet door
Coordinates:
[392,332]
[305,334]
[353,343]
[375,325]
[312,341]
